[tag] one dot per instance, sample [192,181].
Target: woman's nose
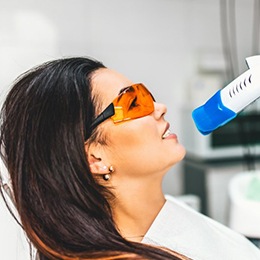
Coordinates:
[159,110]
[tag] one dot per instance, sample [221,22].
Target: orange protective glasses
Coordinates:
[133,102]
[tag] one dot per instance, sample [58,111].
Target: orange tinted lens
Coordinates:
[135,102]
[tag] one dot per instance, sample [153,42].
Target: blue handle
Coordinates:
[212,115]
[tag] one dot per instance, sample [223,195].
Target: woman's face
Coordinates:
[138,147]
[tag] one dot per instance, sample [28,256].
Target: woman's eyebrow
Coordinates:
[122,90]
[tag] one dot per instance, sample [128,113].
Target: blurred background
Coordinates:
[183,50]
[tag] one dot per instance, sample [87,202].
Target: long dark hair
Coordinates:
[45,121]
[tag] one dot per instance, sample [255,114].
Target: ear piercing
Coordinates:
[107,176]
[103,168]
[111,169]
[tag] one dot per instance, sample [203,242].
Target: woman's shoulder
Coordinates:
[179,227]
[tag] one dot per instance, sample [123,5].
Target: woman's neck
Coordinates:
[136,206]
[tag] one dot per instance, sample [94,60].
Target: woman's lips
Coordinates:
[167,134]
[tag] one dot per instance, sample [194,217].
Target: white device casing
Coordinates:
[242,91]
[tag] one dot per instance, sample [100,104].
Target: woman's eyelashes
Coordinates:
[134,103]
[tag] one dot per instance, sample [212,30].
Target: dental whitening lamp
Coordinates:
[226,103]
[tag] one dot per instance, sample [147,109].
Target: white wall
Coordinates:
[153,41]
[13,242]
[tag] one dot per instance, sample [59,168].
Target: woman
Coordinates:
[66,169]
[87,150]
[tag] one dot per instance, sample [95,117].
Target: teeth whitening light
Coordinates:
[226,103]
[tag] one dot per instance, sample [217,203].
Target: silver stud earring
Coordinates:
[103,168]
[106,177]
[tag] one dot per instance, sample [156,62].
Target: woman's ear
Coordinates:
[94,157]
[96,165]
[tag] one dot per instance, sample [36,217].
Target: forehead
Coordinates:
[107,84]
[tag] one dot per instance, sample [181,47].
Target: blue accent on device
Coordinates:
[212,115]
